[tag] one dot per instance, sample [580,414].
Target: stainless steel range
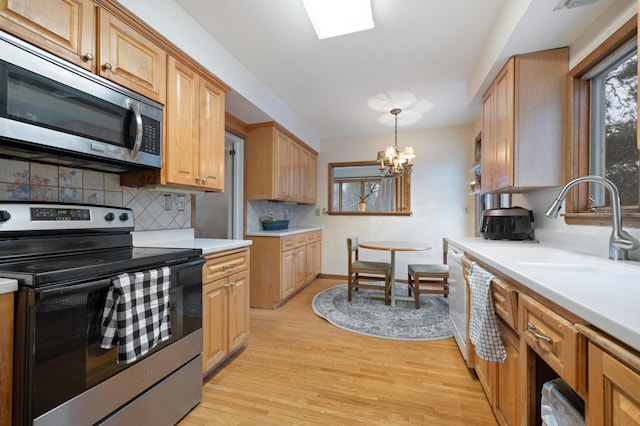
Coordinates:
[71,262]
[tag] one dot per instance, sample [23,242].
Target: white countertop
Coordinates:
[603,292]
[183,238]
[8,285]
[284,232]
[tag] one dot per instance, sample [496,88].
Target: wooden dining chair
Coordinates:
[360,270]
[429,278]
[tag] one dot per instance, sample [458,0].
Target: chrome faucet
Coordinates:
[620,242]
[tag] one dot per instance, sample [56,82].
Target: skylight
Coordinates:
[331,18]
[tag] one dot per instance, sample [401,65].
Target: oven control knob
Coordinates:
[124,217]
[109,217]
[4,216]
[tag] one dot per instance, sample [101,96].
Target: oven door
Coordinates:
[58,352]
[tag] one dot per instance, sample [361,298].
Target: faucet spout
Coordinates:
[621,241]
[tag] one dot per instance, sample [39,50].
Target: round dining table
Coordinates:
[393,247]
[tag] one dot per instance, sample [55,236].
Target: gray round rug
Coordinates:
[369,316]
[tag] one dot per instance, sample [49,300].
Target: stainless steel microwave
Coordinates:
[55,112]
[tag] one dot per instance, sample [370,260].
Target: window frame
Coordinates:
[577,206]
[403,194]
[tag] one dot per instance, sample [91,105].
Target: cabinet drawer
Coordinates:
[555,340]
[219,266]
[293,241]
[314,236]
[505,302]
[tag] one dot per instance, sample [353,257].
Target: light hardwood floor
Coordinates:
[297,369]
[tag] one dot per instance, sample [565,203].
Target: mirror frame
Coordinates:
[403,199]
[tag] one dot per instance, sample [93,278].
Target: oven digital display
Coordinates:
[51,213]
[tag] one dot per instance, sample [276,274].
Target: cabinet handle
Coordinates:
[106,66]
[230,266]
[531,328]
[204,180]
[197,178]
[232,284]
[88,56]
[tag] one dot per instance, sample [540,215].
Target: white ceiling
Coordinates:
[419,57]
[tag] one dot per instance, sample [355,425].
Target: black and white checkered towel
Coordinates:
[484,331]
[136,313]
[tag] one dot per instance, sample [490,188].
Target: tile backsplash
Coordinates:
[30,181]
[258,208]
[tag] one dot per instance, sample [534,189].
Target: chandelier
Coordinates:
[392,160]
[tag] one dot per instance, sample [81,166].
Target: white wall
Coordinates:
[438,196]
[166,17]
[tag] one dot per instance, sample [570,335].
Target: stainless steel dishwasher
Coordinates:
[457,298]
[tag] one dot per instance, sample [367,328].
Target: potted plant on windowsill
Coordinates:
[362,205]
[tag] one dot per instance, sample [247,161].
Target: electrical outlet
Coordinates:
[167,201]
[180,202]
[317,212]
[467,210]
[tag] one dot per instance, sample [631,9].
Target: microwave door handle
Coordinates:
[138,141]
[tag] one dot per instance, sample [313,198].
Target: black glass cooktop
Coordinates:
[81,267]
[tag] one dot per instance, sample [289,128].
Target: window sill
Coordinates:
[629,219]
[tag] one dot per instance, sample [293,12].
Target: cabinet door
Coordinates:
[486,372]
[295,171]
[309,170]
[63,27]
[282,166]
[181,144]
[488,182]
[288,273]
[6,355]
[314,260]
[507,386]
[504,130]
[211,136]
[614,391]
[238,310]
[214,327]
[130,59]
[300,259]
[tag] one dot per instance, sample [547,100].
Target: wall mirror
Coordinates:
[383,194]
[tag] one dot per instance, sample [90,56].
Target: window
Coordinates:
[351,182]
[605,140]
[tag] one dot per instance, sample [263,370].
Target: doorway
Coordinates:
[220,214]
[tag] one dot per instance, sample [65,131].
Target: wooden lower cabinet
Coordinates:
[614,386]
[507,396]
[6,357]
[500,381]
[225,305]
[282,266]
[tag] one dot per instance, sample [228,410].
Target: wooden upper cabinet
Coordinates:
[89,36]
[181,152]
[65,28]
[129,58]
[194,146]
[279,166]
[212,104]
[309,176]
[523,118]
[282,165]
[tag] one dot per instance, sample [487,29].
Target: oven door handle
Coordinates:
[59,290]
[183,264]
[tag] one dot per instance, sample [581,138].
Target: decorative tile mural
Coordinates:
[153,210]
